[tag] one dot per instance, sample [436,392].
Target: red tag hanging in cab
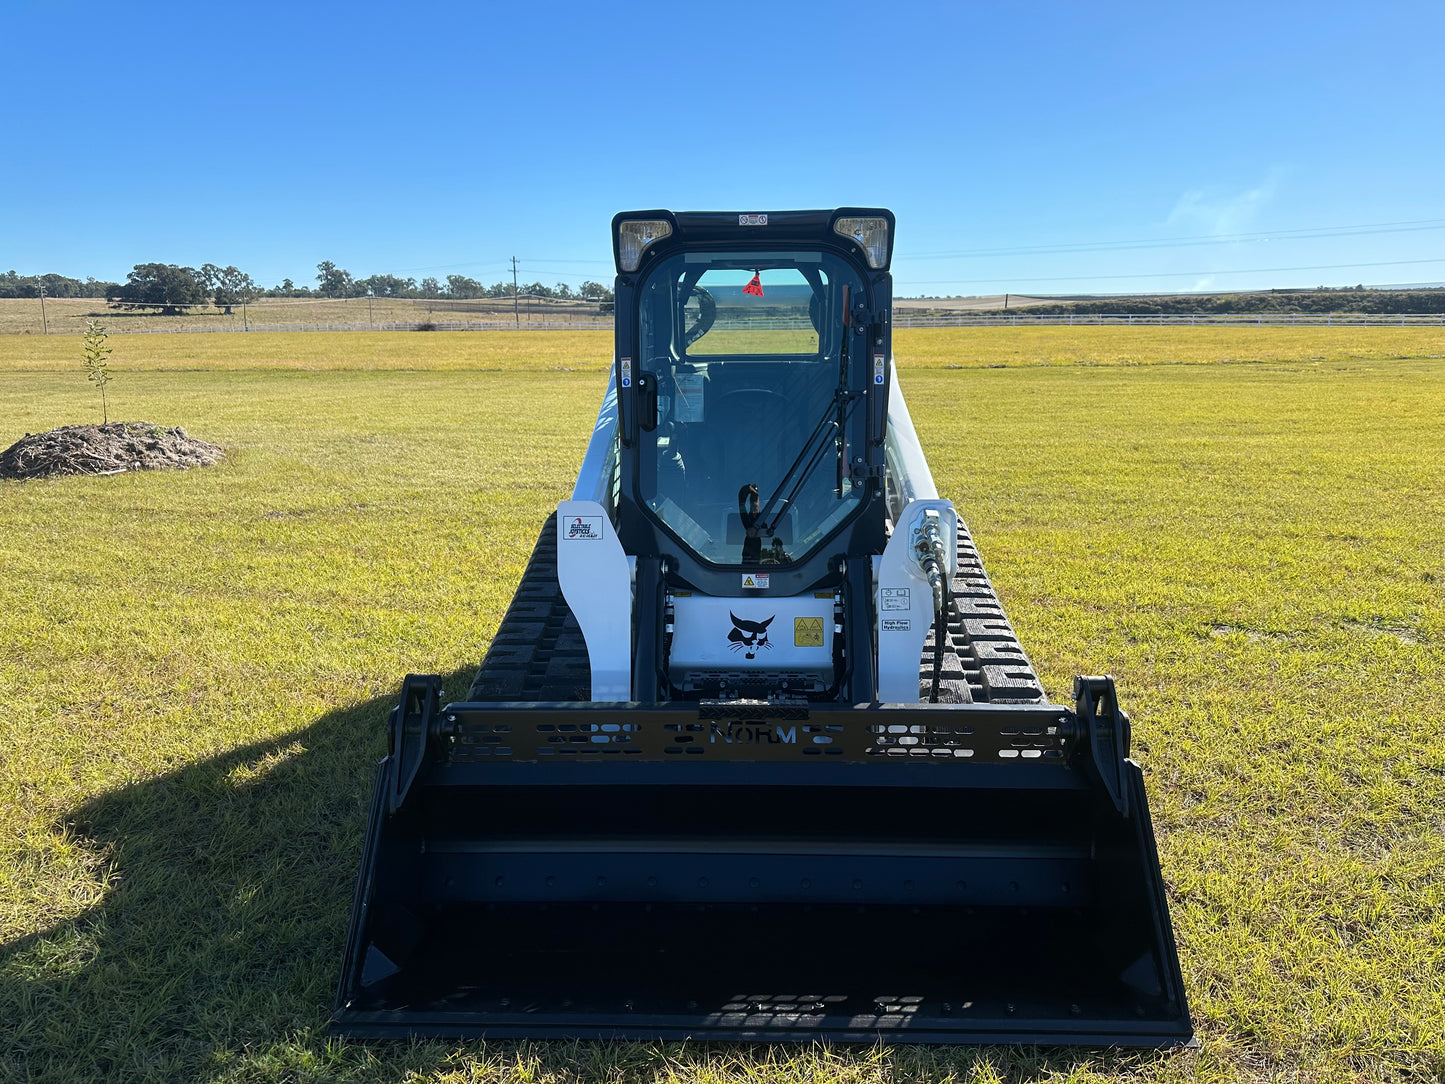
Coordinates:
[756,286]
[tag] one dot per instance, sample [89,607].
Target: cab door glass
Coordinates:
[750,460]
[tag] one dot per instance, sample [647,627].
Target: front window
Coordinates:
[759,405]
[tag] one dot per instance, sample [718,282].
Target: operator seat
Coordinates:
[751,427]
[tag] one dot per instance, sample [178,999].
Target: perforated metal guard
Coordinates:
[1001,734]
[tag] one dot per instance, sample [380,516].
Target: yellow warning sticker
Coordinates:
[807,632]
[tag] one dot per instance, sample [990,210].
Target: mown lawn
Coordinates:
[969,347]
[194,671]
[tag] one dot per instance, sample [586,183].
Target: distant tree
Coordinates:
[163,286]
[288,289]
[235,287]
[16,285]
[500,289]
[62,286]
[95,357]
[562,291]
[388,286]
[594,291]
[227,286]
[460,286]
[430,287]
[334,281]
[537,290]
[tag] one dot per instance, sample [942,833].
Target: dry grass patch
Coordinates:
[67,316]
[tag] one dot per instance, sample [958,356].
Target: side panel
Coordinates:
[596,581]
[904,602]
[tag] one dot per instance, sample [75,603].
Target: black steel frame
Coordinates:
[454,752]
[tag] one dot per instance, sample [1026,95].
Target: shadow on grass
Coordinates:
[216,950]
[222,928]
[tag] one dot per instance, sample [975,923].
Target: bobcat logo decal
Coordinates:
[749,636]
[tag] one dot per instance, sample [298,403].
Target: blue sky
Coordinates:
[1043,147]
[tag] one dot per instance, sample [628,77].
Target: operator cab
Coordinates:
[759,357]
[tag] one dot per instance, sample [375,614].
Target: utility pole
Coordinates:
[44,327]
[516,312]
[369,321]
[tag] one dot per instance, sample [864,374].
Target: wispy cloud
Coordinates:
[1223,213]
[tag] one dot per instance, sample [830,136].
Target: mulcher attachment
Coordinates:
[919,873]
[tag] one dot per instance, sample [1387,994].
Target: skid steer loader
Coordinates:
[755,754]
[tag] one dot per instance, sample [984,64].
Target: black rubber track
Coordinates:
[539,654]
[983,660]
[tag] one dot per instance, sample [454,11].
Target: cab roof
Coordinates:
[756,229]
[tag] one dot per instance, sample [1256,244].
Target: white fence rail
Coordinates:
[1247,319]
[580,324]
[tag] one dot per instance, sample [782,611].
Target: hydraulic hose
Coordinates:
[940,635]
[933,557]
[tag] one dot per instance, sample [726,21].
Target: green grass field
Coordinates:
[591,351]
[195,669]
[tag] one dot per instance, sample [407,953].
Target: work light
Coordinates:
[871,235]
[633,237]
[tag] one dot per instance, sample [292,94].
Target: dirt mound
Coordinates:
[105,449]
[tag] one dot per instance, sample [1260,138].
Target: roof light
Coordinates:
[871,234]
[633,237]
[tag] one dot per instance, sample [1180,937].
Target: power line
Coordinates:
[487,263]
[1303,234]
[1165,274]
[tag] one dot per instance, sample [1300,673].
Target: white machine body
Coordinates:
[716,637]
[596,580]
[904,599]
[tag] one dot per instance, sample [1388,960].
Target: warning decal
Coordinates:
[627,372]
[752,220]
[689,397]
[807,632]
[877,368]
[755,579]
[895,598]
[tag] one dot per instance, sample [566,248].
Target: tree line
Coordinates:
[333,281]
[14,285]
[1324,299]
[171,289]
